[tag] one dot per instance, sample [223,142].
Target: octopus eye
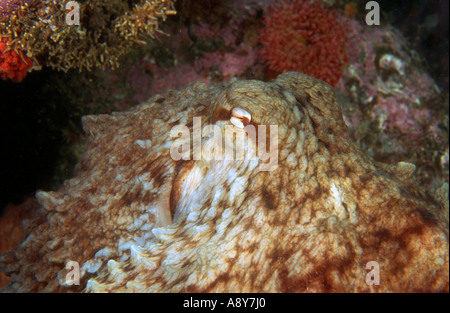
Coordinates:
[240,118]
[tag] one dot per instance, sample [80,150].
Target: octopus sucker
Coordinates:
[136,219]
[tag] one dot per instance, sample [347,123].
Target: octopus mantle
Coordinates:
[137,220]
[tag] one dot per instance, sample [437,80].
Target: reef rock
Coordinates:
[324,218]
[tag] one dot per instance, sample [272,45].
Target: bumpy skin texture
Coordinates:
[310,225]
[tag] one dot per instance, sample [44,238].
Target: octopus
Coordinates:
[324,217]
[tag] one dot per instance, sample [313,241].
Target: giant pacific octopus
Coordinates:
[135,219]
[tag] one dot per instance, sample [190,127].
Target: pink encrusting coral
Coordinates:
[402,119]
[227,34]
[213,66]
[382,74]
[231,58]
[306,37]
[228,63]
[394,104]
[178,77]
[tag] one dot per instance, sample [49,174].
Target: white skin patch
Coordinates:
[240,118]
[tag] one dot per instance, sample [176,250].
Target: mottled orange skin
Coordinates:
[13,222]
[311,225]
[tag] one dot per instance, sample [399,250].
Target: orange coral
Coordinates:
[306,37]
[13,65]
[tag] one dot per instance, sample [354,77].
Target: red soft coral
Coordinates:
[13,65]
[306,37]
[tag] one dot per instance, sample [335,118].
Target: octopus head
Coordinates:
[244,186]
